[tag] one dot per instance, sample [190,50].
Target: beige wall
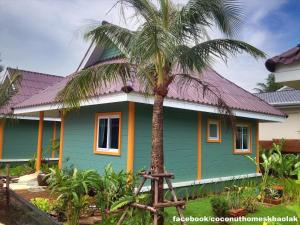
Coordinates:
[290,129]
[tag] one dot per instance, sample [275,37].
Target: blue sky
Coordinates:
[46,36]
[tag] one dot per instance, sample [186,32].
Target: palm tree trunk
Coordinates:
[157,154]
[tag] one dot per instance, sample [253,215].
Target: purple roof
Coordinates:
[233,95]
[288,57]
[31,83]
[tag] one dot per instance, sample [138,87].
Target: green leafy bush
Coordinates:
[72,189]
[113,186]
[249,199]
[219,206]
[42,203]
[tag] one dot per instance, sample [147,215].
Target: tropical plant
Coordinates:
[170,45]
[8,87]
[283,165]
[249,199]
[113,187]
[42,203]
[72,190]
[234,197]
[266,165]
[219,207]
[269,85]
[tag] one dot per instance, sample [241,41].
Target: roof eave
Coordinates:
[140,98]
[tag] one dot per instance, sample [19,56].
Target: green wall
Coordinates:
[180,141]
[218,159]
[180,145]
[20,138]
[79,138]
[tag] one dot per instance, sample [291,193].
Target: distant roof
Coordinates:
[282,97]
[31,83]
[288,57]
[235,97]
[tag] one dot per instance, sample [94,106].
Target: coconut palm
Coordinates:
[170,45]
[269,86]
[8,87]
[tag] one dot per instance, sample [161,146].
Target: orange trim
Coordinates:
[238,151]
[96,130]
[199,140]
[219,131]
[61,140]
[53,138]
[2,125]
[257,148]
[130,148]
[40,142]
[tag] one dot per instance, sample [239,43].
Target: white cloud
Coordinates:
[46,35]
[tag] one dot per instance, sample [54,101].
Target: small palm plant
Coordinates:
[72,189]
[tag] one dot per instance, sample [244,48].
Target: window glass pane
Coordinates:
[102,133]
[245,138]
[114,133]
[238,138]
[213,130]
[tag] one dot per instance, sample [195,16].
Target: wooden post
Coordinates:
[53,139]
[40,142]
[61,140]
[130,146]
[2,124]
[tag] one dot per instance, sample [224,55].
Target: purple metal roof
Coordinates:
[31,83]
[288,57]
[233,95]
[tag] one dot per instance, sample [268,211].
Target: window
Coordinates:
[214,131]
[107,133]
[242,139]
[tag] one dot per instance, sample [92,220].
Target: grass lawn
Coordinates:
[201,207]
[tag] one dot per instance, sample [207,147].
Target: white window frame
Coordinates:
[214,139]
[249,149]
[108,150]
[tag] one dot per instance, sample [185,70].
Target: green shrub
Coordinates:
[18,170]
[73,190]
[113,186]
[219,206]
[249,199]
[42,204]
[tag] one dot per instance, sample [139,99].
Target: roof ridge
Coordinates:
[34,72]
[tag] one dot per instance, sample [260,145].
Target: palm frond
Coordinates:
[109,35]
[204,89]
[143,8]
[226,14]
[89,82]
[9,87]
[204,53]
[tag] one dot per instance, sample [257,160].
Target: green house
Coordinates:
[19,134]
[115,127]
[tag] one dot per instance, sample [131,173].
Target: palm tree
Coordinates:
[8,87]
[170,45]
[269,86]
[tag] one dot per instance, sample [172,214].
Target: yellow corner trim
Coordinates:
[131,131]
[61,140]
